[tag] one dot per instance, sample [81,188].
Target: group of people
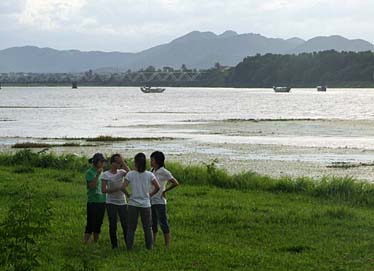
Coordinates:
[126,194]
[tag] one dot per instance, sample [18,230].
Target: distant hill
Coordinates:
[196,50]
[203,49]
[336,43]
[34,59]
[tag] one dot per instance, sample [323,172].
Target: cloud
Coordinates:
[132,25]
[49,14]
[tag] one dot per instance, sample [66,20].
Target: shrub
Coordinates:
[27,219]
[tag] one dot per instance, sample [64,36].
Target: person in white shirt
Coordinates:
[158,201]
[140,182]
[116,205]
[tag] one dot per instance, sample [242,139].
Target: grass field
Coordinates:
[218,221]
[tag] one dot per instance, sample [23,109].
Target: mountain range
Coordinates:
[196,50]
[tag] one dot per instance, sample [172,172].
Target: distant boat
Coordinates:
[152,90]
[281,89]
[74,85]
[321,88]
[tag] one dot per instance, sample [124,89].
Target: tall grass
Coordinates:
[341,189]
[28,158]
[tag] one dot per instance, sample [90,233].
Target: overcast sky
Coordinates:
[135,25]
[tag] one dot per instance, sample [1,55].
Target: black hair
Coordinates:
[159,158]
[113,157]
[140,162]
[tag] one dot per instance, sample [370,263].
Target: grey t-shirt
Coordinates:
[140,185]
[115,181]
[163,176]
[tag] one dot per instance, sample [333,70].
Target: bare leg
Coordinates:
[167,239]
[96,237]
[87,237]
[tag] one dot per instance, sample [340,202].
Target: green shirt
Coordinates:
[94,194]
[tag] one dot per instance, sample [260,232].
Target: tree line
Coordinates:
[335,69]
[331,68]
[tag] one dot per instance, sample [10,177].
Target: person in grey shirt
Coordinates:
[116,205]
[140,182]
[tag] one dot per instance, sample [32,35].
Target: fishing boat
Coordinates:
[152,90]
[281,89]
[321,88]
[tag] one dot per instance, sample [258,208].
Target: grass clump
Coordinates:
[65,177]
[68,144]
[30,145]
[33,145]
[339,213]
[115,139]
[23,170]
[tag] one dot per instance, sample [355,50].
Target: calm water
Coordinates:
[92,111]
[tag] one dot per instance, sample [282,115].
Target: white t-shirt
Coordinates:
[163,176]
[140,185]
[115,181]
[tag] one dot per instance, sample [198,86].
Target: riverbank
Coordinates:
[283,147]
[272,160]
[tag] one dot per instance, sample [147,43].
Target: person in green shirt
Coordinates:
[95,198]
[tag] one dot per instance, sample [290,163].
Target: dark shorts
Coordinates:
[95,216]
[159,216]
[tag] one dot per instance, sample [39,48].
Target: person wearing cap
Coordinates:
[116,205]
[95,198]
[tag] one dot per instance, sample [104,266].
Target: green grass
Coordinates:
[218,221]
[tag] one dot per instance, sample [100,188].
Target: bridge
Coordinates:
[158,76]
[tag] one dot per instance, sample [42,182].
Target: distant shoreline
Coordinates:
[4,85]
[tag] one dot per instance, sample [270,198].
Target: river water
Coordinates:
[126,111]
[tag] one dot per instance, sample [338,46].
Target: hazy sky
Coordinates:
[134,25]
